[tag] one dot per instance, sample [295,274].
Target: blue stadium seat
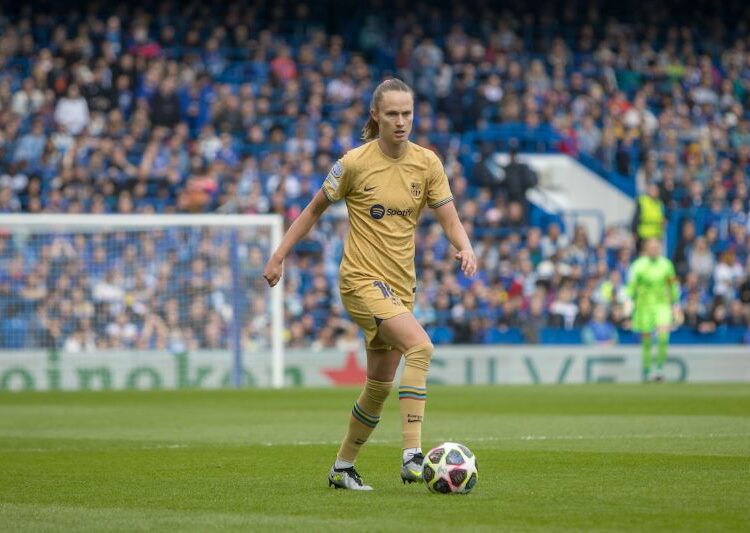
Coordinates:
[476,129]
[503,336]
[13,332]
[560,336]
[724,335]
[441,335]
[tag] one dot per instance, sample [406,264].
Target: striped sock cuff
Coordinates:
[366,419]
[412,393]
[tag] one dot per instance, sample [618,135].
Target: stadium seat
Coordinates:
[441,335]
[13,332]
[503,336]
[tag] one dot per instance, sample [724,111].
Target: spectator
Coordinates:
[584,314]
[589,136]
[744,290]
[85,112]
[563,309]
[31,145]
[611,291]
[283,66]
[683,248]
[535,319]
[727,275]
[487,172]
[738,315]
[701,261]
[81,340]
[554,241]
[165,105]
[28,100]
[600,330]
[72,111]
[9,202]
[519,178]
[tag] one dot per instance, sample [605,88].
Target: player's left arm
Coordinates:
[440,199]
[447,215]
[674,286]
[673,282]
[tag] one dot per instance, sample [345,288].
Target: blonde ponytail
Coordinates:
[371,130]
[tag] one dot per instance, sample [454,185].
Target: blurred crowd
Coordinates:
[243,108]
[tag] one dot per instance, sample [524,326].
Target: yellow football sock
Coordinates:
[365,417]
[412,393]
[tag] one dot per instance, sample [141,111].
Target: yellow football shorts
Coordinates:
[371,303]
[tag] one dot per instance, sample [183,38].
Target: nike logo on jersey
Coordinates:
[368,189]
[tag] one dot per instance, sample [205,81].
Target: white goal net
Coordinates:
[157,301]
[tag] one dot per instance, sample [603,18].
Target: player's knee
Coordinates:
[377,391]
[419,356]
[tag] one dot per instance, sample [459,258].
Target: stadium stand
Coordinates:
[243,107]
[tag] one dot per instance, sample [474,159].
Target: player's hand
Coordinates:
[468,262]
[274,269]
[678,317]
[627,307]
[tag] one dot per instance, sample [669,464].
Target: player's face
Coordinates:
[394,116]
[653,248]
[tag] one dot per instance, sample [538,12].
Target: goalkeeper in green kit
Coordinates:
[654,290]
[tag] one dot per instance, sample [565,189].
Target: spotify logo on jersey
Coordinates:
[377,211]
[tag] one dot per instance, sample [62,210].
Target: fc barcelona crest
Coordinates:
[416,189]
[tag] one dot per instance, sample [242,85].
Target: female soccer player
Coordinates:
[386,183]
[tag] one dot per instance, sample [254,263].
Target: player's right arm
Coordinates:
[299,228]
[334,189]
[631,289]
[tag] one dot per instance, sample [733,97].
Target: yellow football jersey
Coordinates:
[384,197]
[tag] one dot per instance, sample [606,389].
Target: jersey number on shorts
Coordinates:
[387,291]
[384,288]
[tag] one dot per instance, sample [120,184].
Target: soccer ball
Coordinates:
[450,468]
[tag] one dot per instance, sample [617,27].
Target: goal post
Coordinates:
[188,281]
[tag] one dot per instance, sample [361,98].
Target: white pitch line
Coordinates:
[64,449]
[315,443]
[519,438]
[635,436]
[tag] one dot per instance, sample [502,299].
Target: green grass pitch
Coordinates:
[551,458]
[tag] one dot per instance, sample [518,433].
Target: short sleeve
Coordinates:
[438,189]
[336,183]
